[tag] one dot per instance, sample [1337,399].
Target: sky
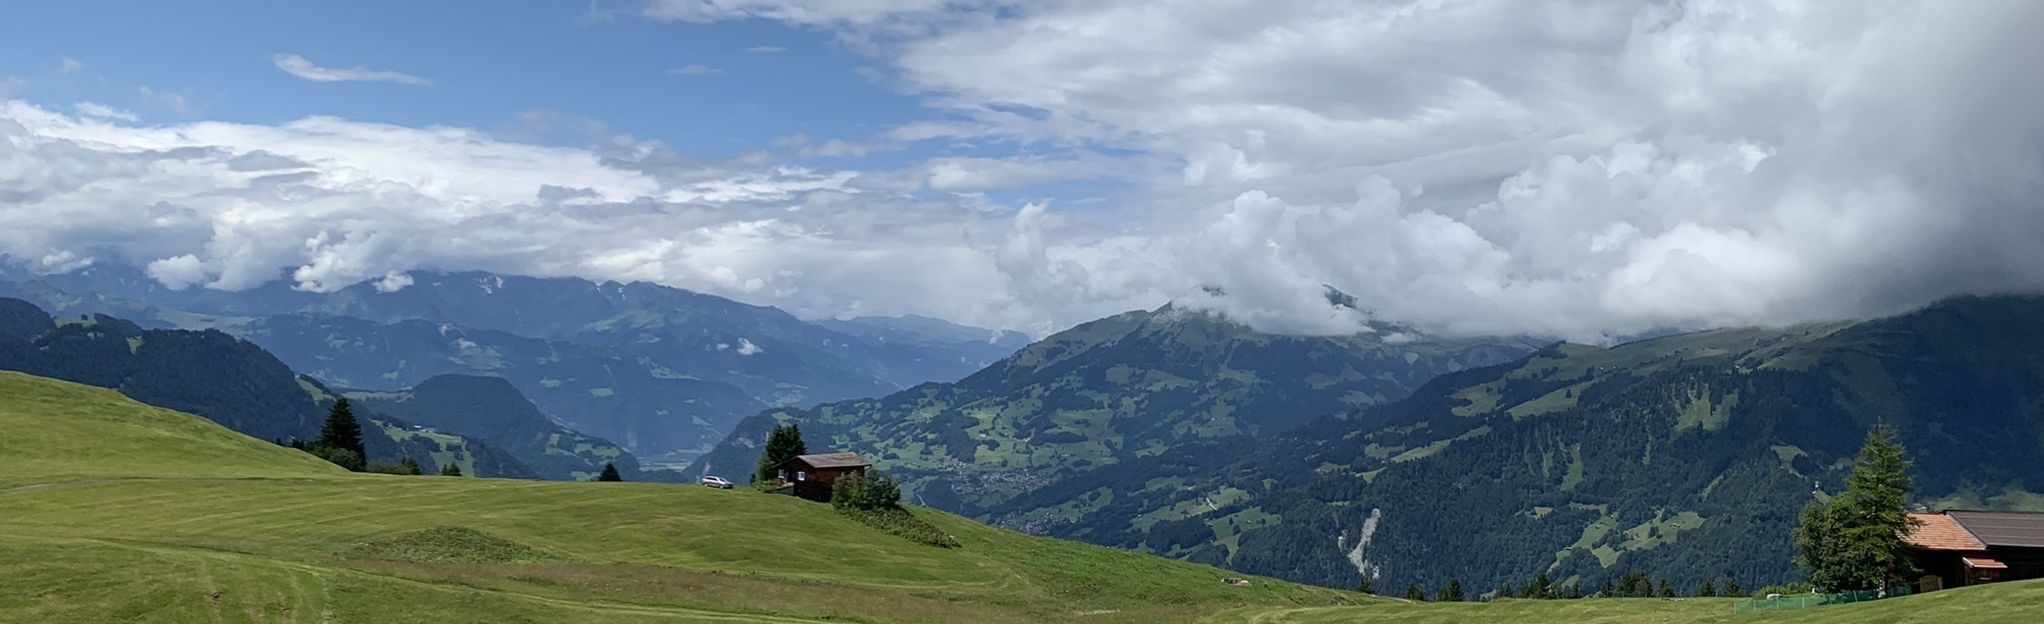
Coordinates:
[1567,169]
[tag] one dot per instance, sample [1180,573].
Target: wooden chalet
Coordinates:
[1957,548]
[812,476]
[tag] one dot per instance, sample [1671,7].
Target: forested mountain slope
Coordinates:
[1106,393]
[489,409]
[1685,456]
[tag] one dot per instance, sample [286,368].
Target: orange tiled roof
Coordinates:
[1983,563]
[1940,532]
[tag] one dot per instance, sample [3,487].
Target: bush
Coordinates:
[866,493]
[1785,589]
[408,467]
[339,456]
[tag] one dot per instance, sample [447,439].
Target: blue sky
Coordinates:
[1563,168]
[488,62]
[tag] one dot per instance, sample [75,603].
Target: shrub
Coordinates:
[865,493]
[339,456]
[407,467]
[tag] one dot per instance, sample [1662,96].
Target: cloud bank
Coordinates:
[1584,170]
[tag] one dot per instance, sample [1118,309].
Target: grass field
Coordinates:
[111,511]
[115,511]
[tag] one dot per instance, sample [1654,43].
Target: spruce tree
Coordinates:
[1414,593]
[410,466]
[343,432]
[450,469]
[782,444]
[1451,593]
[1854,541]
[609,473]
[1365,587]
[1732,588]
[1667,591]
[1709,590]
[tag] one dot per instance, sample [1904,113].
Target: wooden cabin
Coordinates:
[1956,548]
[812,476]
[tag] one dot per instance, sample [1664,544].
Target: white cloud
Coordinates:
[102,111]
[298,66]
[766,49]
[1584,169]
[695,70]
[70,65]
[1575,169]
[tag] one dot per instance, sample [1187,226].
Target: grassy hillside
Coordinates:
[115,511]
[59,431]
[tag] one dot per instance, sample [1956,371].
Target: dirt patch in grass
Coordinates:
[450,545]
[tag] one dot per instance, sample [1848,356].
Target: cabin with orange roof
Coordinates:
[1956,548]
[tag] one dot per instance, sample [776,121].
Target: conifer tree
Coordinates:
[1365,587]
[450,469]
[1709,590]
[1667,591]
[410,466]
[1854,541]
[1451,593]
[343,432]
[1414,593]
[783,443]
[609,473]
[1732,588]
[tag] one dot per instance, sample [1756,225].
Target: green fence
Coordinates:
[1805,601]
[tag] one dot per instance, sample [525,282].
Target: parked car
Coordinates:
[717,482]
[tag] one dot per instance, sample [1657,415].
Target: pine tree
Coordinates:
[1667,591]
[343,432]
[410,466]
[1414,593]
[783,443]
[609,473]
[1854,541]
[1539,587]
[450,469]
[1365,587]
[1608,590]
[1709,590]
[1732,588]
[1451,593]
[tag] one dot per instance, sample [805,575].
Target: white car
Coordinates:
[717,482]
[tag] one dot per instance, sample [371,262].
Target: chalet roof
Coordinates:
[833,460]
[1983,563]
[2003,528]
[1941,532]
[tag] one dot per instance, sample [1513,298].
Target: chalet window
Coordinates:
[801,475]
[783,474]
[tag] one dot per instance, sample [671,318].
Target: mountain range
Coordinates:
[1389,454]
[1687,455]
[1110,392]
[664,372]
[225,379]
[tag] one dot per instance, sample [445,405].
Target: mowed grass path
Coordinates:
[2013,603]
[115,511]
